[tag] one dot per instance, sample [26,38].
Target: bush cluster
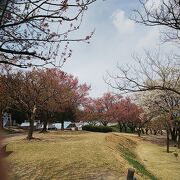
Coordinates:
[92,128]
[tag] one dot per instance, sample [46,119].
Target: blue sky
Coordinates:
[115,40]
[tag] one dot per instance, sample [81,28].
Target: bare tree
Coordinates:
[155,72]
[34,32]
[166,13]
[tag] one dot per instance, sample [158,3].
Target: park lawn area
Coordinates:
[85,155]
[64,155]
[150,152]
[164,165]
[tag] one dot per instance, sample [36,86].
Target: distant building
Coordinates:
[7,121]
[59,125]
[26,124]
[69,125]
[53,126]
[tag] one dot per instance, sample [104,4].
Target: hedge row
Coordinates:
[92,128]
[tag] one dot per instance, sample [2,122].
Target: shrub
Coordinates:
[92,128]
[115,128]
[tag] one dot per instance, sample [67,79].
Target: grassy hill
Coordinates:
[82,155]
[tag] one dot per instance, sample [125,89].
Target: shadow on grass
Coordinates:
[131,158]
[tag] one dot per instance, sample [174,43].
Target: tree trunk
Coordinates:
[146,131]
[1,120]
[155,132]
[125,128]
[179,139]
[139,132]
[120,126]
[167,132]
[31,121]
[44,129]
[173,134]
[131,128]
[62,125]
[176,135]
[31,128]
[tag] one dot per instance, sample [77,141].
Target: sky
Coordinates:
[115,40]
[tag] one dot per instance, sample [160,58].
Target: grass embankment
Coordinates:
[126,145]
[131,157]
[164,165]
[148,156]
[63,156]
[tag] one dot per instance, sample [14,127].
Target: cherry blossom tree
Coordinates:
[35,32]
[69,96]
[128,115]
[28,93]
[160,106]
[101,109]
[115,109]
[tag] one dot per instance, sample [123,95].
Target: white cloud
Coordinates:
[150,40]
[122,23]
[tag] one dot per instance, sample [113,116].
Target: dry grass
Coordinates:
[64,156]
[80,155]
[125,145]
[151,152]
[164,165]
